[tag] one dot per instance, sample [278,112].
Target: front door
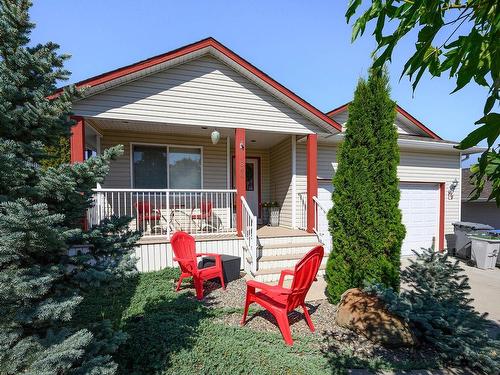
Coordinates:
[253,184]
[252,179]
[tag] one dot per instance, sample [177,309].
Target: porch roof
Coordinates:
[193,51]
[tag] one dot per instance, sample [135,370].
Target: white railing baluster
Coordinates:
[167,213]
[250,233]
[158,211]
[321,224]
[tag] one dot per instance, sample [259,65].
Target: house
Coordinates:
[209,137]
[479,210]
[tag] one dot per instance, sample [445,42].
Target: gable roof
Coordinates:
[209,45]
[399,110]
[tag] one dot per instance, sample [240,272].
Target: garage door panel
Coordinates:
[419,204]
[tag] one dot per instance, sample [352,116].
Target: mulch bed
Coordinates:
[330,337]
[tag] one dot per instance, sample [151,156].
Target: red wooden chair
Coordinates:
[205,214]
[184,249]
[280,301]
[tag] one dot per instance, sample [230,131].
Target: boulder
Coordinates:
[366,315]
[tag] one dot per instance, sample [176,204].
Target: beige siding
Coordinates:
[214,156]
[203,92]
[326,155]
[414,167]
[403,125]
[281,172]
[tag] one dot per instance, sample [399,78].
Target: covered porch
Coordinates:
[202,180]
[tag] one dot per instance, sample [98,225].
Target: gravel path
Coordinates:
[330,337]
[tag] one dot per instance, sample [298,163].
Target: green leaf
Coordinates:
[351,9]
[489,131]
[490,102]
[474,138]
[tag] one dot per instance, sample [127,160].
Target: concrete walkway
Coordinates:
[485,290]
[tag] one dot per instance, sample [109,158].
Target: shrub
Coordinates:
[41,209]
[365,221]
[437,303]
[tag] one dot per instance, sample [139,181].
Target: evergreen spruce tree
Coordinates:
[365,221]
[437,304]
[41,211]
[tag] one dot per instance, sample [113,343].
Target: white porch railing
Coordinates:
[302,211]
[163,211]
[250,233]
[321,224]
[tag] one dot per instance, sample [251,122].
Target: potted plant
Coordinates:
[484,250]
[273,209]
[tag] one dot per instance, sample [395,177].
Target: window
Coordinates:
[150,167]
[184,166]
[160,167]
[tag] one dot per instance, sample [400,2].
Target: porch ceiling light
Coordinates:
[215,136]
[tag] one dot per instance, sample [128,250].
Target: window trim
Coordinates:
[167,146]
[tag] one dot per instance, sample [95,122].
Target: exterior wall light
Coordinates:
[215,136]
[451,189]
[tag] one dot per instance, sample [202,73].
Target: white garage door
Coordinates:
[419,205]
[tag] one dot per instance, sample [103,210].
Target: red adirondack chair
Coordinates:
[185,254]
[278,300]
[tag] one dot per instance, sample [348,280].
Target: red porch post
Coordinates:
[77,140]
[312,178]
[240,176]
[77,148]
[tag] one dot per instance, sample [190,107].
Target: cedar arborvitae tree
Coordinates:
[437,304]
[57,155]
[41,213]
[365,220]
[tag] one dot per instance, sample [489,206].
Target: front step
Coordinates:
[273,274]
[283,252]
[298,248]
[307,238]
[280,261]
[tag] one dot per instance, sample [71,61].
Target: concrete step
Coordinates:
[288,248]
[280,262]
[283,240]
[273,274]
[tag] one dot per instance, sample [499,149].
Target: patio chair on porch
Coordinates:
[279,300]
[204,216]
[184,249]
[146,217]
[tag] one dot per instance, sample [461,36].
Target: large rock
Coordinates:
[366,314]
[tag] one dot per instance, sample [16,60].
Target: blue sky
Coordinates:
[305,45]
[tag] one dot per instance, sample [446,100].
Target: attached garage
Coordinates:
[420,206]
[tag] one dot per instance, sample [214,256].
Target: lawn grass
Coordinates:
[173,333]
